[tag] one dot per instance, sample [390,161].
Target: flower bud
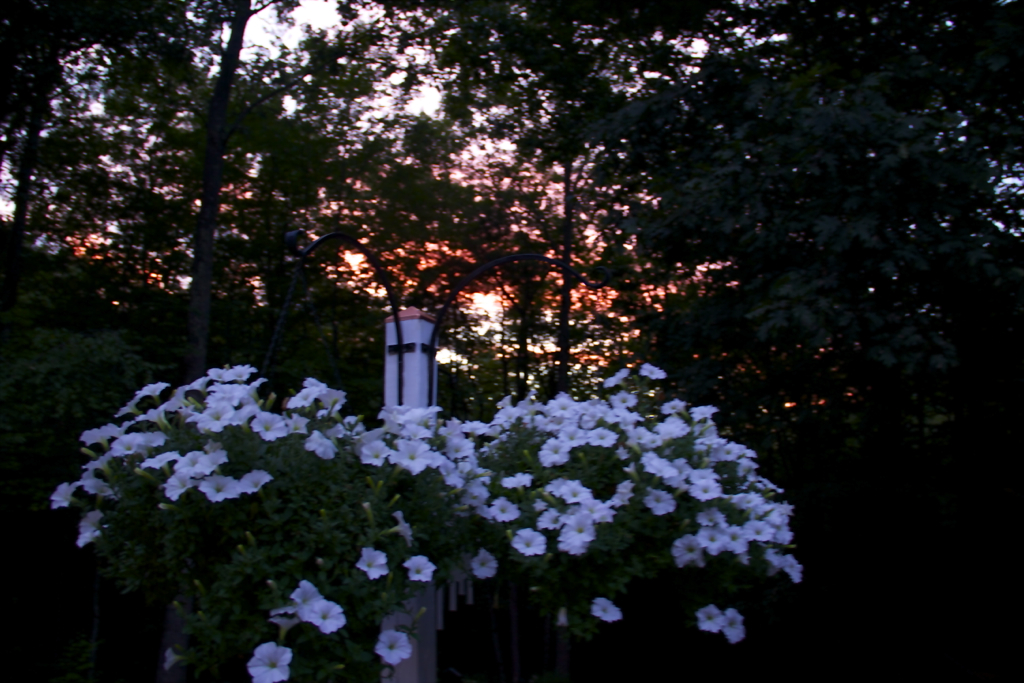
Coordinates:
[563,617]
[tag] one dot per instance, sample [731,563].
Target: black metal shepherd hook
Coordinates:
[466,281]
[292,243]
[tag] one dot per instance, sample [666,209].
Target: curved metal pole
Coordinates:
[465,282]
[292,241]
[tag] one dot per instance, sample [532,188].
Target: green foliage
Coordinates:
[840,201]
[55,384]
[77,663]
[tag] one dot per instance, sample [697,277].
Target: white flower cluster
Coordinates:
[228,402]
[675,464]
[231,403]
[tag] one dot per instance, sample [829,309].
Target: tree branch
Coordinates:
[261,100]
[262,7]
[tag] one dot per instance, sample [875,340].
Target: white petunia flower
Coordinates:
[450,471]
[673,406]
[238,373]
[603,438]
[171,658]
[219,487]
[549,519]
[208,462]
[577,533]
[530,542]
[786,563]
[622,401]
[104,433]
[189,464]
[89,528]
[269,663]
[296,424]
[737,540]
[393,647]
[520,479]
[130,444]
[332,400]
[710,619]
[704,484]
[414,456]
[660,502]
[605,610]
[420,568]
[375,453]
[658,466]
[475,495]
[306,594]
[623,493]
[711,517]
[403,528]
[759,530]
[732,627]
[158,461]
[459,448]
[687,550]
[554,452]
[94,485]
[672,428]
[285,622]
[214,419]
[252,482]
[574,492]
[484,565]
[305,398]
[415,432]
[321,445]
[177,484]
[652,372]
[713,539]
[703,413]
[269,426]
[616,379]
[373,562]
[61,498]
[504,510]
[324,614]
[601,513]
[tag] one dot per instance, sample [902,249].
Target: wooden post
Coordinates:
[417,327]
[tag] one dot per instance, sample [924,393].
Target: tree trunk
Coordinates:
[563,312]
[201,289]
[27,166]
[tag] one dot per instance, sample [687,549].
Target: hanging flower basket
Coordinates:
[296,533]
